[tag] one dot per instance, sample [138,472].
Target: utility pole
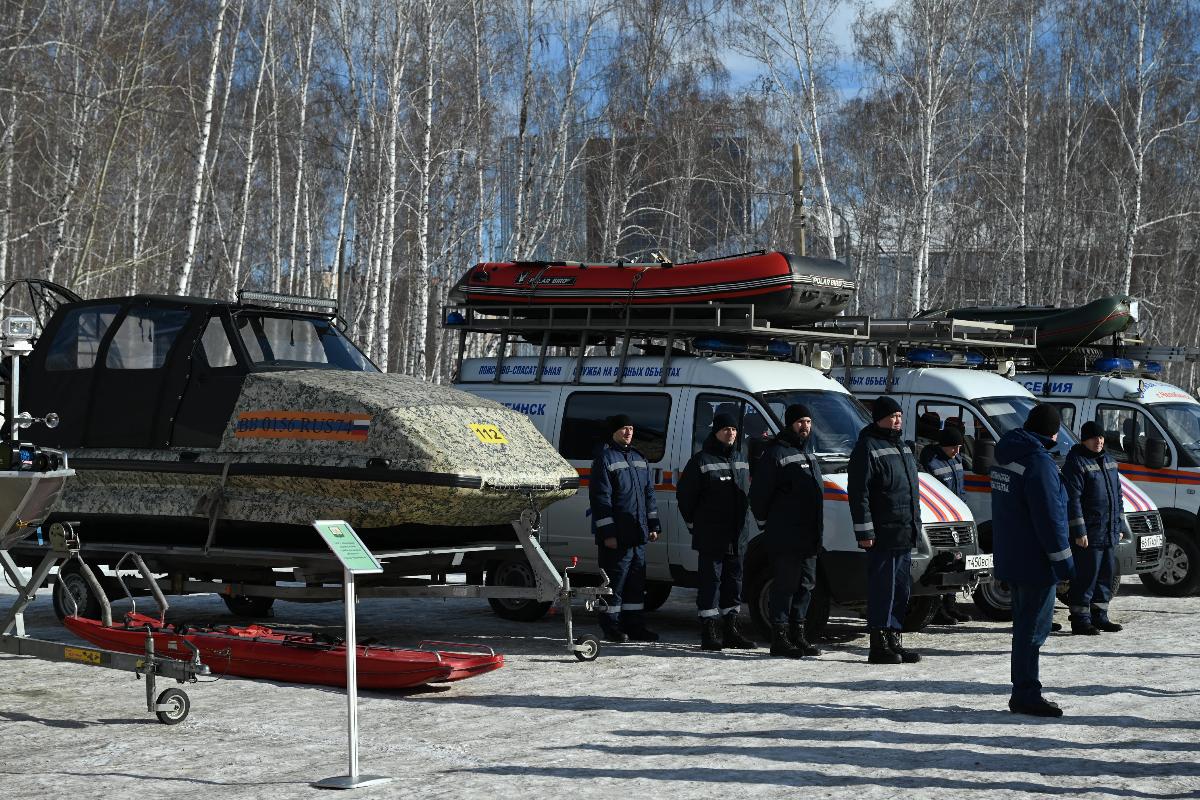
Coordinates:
[798,202]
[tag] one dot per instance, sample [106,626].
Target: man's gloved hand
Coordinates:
[1063,570]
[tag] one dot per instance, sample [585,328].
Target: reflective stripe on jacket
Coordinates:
[884,489]
[947,469]
[788,496]
[1094,507]
[712,495]
[621,491]
[1029,510]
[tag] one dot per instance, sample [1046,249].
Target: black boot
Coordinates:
[734,637]
[710,634]
[907,656]
[1083,627]
[781,643]
[799,638]
[1108,626]
[612,632]
[881,650]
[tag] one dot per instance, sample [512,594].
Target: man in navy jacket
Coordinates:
[624,518]
[1029,540]
[1094,518]
[885,506]
[943,461]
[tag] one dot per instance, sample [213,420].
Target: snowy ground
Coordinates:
[642,721]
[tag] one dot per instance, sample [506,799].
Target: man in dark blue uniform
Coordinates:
[943,460]
[624,518]
[787,497]
[712,495]
[884,505]
[1029,540]
[1094,512]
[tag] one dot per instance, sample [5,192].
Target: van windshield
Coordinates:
[837,419]
[1182,421]
[1007,413]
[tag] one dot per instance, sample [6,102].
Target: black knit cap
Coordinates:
[950,437]
[723,420]
[618,421]
[1090,430]
[1043,419]
[883,406]
[794,412]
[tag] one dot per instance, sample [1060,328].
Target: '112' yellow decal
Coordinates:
[488,434]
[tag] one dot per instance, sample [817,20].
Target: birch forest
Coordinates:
[955,151]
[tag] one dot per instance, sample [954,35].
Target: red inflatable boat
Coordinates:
[291,656]
[783,289]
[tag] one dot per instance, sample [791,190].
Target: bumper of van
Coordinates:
[947,572]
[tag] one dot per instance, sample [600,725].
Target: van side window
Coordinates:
[77,339]
[585,415]
[1125,432]
[145,337]
[753,429]
[934,416]
[1067,412]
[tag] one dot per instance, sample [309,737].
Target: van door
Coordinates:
[582,431]
[932,415]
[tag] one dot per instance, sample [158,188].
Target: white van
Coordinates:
[672,415]
[1152,429]
[988,405]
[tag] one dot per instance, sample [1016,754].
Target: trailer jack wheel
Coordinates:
[172,707]
[587,648]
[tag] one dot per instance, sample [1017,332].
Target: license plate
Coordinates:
[1150,542]
[983,561]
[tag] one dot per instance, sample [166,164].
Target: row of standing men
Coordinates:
[1045,523]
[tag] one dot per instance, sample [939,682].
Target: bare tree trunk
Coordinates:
[183,279]
[235,265]
[305,59]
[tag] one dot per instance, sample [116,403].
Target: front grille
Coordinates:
[945,537]
[1148,559]
[1149,522]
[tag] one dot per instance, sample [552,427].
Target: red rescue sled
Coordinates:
[256,651]
[784,289]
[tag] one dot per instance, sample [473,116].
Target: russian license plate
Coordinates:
[1150,542]
[982,561]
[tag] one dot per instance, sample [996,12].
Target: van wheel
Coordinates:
[72,595]
[994,600]
[520,575]
[1178,573]
[920,612]
[657,593]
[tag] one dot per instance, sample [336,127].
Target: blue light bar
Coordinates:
[774,347]
[1153,367]
[924,355]
[1113,365]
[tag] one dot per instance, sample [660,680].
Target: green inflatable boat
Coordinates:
[1056,327]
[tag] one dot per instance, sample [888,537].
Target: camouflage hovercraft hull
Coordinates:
[404,461]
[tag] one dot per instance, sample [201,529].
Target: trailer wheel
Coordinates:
[994,600]
[172,707]
[249,605]
[920,612]
[1178,573]
[517,574]
[588,648]
[72,586]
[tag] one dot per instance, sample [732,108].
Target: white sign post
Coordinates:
[356,560]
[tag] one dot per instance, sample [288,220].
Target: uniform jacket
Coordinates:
[622,496]
[712,495]
[884,490]
[948,470]
[1029,510]
[1094,506]
[788,496]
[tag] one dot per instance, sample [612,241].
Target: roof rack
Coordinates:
[1159,353]
[578,326]
[937,332]
[247,297]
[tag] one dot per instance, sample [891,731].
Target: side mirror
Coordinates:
[1158,456]
[984,456]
